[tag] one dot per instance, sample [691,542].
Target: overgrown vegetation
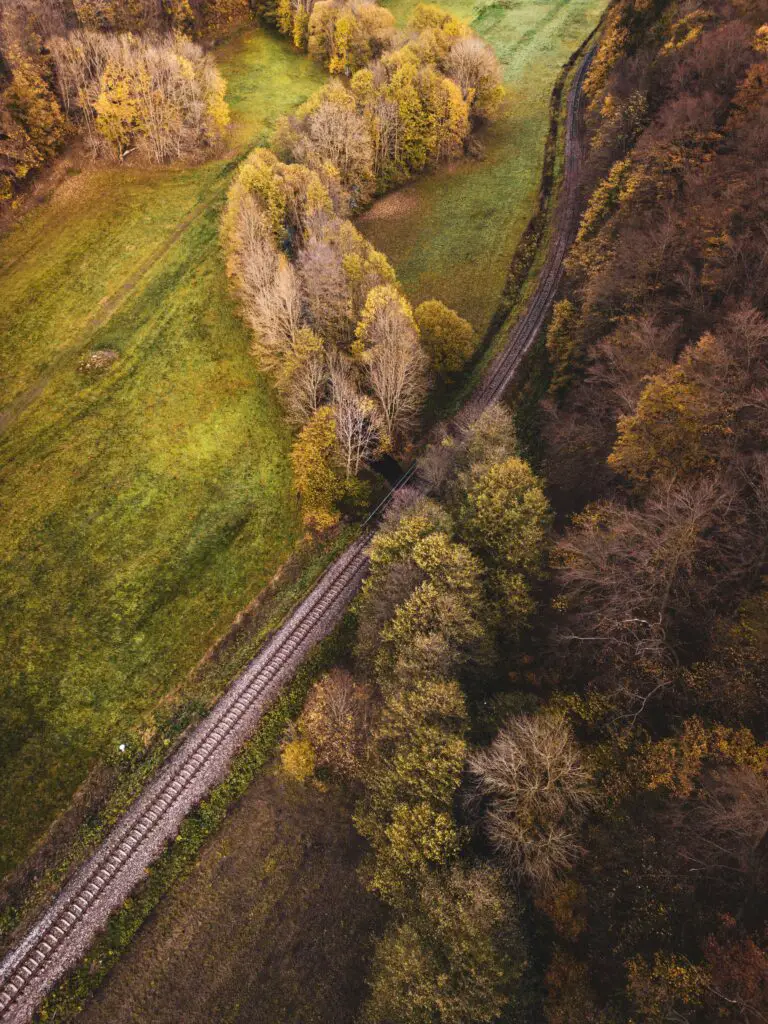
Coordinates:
[331,325]
[124,72]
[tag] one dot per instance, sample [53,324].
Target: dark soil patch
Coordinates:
[272,926]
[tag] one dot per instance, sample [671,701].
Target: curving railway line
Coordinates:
[101,885]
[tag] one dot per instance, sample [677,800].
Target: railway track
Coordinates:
[527,326]
[100,886]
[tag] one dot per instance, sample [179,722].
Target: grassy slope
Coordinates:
[139,509]
[452,234]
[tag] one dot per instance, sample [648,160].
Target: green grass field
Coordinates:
[451,234]
[143,506]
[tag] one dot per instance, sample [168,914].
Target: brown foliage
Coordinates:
[336,721]
[537,788]
[634,580]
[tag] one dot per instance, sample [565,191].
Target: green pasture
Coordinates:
[143,505]
[451,234]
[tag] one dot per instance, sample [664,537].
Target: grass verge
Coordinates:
[119,778]
[69,997]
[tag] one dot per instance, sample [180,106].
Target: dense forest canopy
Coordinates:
[555,715]
[656,431]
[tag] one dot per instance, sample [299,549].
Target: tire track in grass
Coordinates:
[107,307]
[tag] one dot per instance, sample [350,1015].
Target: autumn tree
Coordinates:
[290,196]
[448,340]
[347,36]
[459,956]
[337,269]
[329,129]
[472,64]
[314,458]
[161,96]
[387,343]
[432,114]
[181,15]
[412,775]
[116,109]
[505,518]
[632,579]
[32,122]
[536,788]
[357,419]
[436,20]
[440,626]
[265,278]
[731,681]
[335,721]
[302,376]
[562,347]
[393,574]
[489,440]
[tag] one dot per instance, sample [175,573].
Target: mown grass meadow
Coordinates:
[142,505]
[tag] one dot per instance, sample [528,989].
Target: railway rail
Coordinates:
[67,928]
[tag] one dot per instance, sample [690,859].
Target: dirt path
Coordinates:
[100,886]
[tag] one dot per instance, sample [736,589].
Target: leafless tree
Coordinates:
[173,85]
[723,832]
[79,60]
[536,789]
[305,389]
[268,285]
[336,721]
[335,131]
[357,418]
[634,576]
[325,289]
[472,64]
[397,367]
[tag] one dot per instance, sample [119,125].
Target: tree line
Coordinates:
[123,74]
[350,358]
[454,581]
[554,718]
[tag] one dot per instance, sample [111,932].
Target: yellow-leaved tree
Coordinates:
[316,478]
[117,108]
